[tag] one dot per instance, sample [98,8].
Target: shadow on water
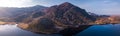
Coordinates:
[90,30]
[101,30]
[71,31]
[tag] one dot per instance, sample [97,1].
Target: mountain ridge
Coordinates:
[11,13]
[60,17]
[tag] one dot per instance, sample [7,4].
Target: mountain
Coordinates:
[57,18]
[67,13]
[14,13]
[98,16]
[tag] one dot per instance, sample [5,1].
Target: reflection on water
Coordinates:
[73,30]
[95,30]
[13,30]
[101,30]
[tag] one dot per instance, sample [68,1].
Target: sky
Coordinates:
[108,7]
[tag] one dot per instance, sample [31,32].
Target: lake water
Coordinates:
[13,30]
[101,30]
[95,30]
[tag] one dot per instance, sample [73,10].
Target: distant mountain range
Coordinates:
[14,13]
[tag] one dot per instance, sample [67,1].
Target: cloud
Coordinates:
[14,3]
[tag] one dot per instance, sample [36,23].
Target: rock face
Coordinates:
[69,14]
[58,18]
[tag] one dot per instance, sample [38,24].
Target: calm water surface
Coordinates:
[13,30]
[101,30]
[95,30]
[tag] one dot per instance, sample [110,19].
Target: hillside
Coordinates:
[12,13]
[58,18]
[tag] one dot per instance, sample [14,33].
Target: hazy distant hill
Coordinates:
[14,13]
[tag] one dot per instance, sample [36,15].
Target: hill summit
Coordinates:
[60,17]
